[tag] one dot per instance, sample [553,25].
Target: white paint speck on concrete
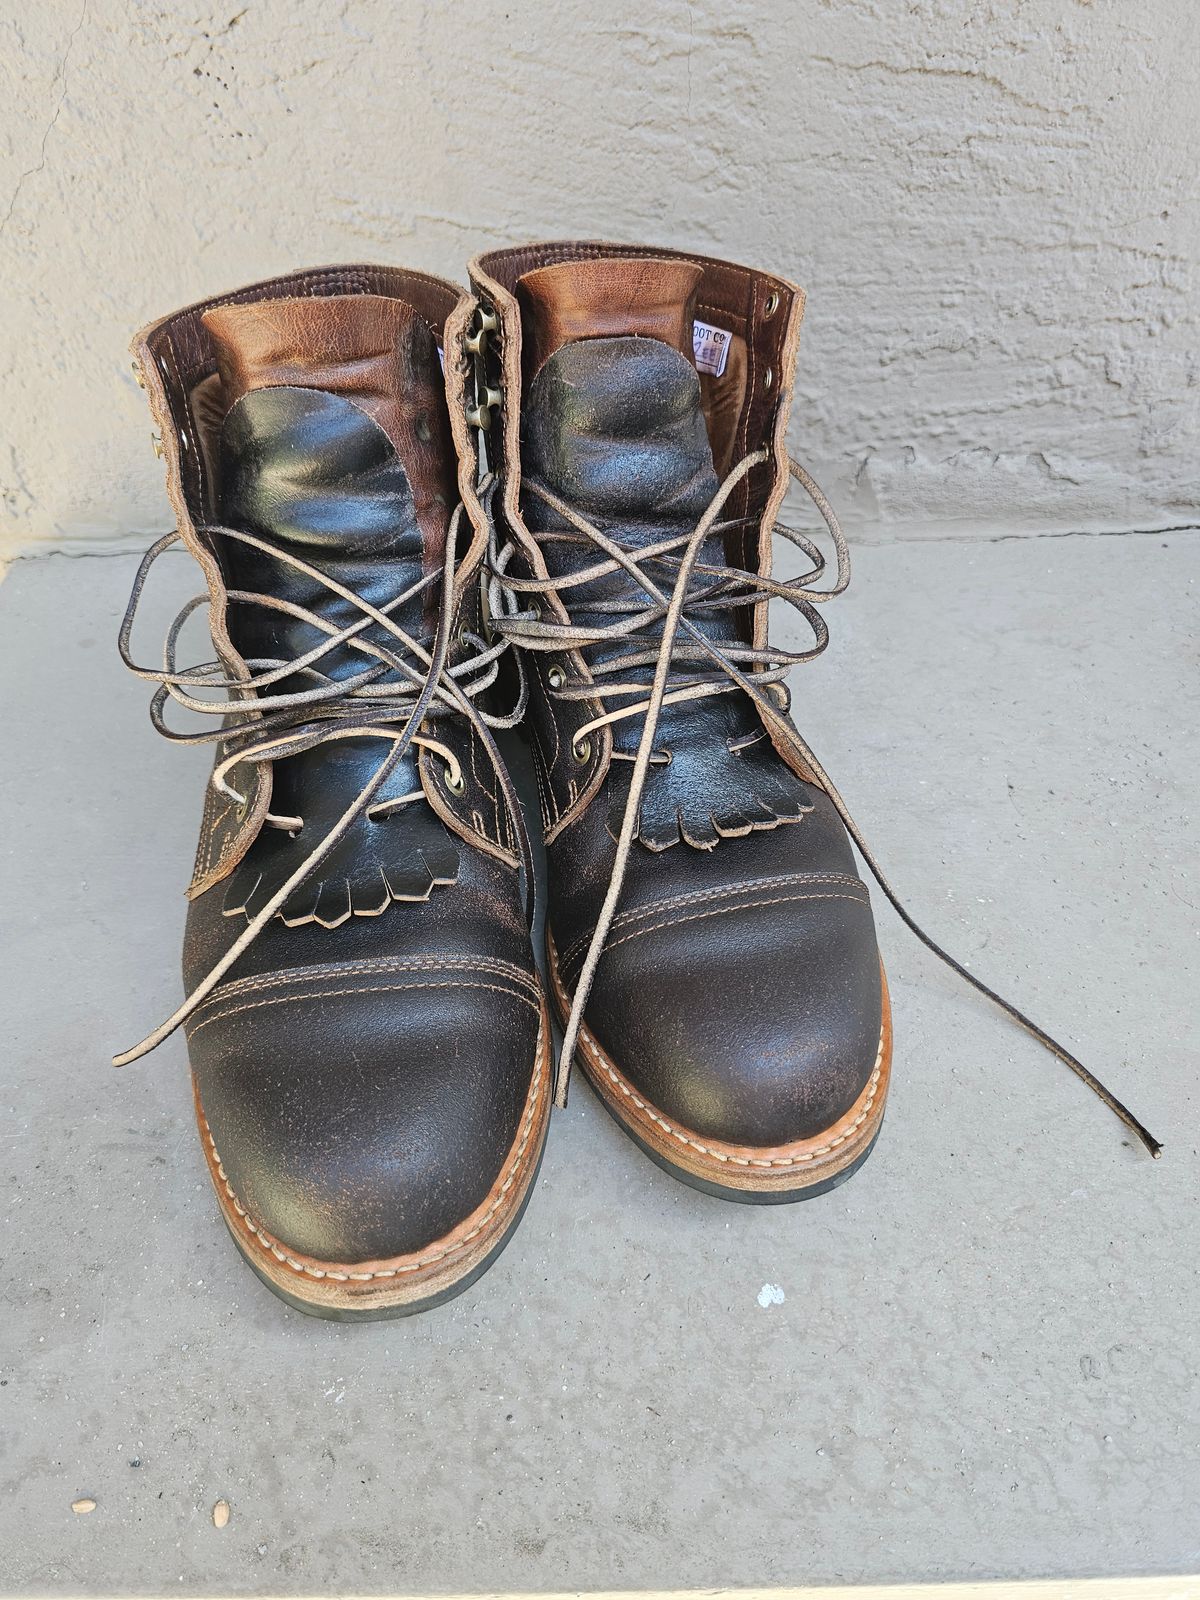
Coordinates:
[771,1295]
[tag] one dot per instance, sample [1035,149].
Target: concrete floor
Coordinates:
[983,1359]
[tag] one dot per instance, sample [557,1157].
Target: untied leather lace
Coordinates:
[659,625]
[391,699]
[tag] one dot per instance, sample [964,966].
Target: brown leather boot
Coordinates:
[711,944]
[367,1034]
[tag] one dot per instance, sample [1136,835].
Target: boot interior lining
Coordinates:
[741,407]
[755,307]
[183,351]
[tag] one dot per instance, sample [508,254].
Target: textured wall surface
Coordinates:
[992,206]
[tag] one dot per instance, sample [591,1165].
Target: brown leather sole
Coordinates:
[739,1172]
[366,1290]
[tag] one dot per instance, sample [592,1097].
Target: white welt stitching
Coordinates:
[272,1245]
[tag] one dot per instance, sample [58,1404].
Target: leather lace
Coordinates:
[656,623]
[398,697]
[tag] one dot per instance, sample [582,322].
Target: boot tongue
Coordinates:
[373,353]
[613,423]
[335,441]
[612,420]
[334,444]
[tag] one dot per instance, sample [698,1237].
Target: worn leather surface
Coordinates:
[370,348]
[313,470]
[365,1064]
[614,427]
[175,362]
[746,408]
[365,1084]
[740,988]
[653,299]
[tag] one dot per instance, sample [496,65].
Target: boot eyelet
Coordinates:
[581,752]
[556,677]
[772,305]
[455,787]
[769,379]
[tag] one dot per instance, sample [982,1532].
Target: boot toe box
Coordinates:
[754,1023]
[365,1116]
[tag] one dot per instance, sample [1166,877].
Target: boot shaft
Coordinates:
[310,411]
[739,327]
[627,381]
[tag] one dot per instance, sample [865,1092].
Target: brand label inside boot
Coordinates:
[710,346]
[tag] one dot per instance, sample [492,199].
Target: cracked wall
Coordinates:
[991,205]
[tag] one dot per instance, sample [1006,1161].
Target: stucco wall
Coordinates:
[992,206]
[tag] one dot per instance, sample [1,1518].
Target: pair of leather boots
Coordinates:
[424,518]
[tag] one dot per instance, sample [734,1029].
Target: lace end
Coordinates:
[127,1057]
[562,1082]
[1151,1143]
[562,1072]
[163,1031]
[1102,1092]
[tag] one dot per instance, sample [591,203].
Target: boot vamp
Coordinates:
[365,1085]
